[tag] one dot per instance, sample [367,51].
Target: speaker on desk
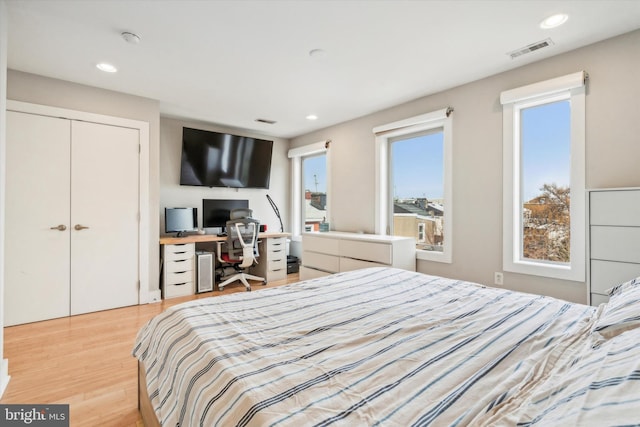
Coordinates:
[204,272]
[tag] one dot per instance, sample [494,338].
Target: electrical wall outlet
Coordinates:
[498,278]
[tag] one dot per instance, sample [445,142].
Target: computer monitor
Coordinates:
[215,212]
[180,220]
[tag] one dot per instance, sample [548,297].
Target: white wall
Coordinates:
[172,194]
[613,150]
[58,93]
[4,378]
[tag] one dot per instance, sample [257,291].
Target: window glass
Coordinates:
[314,184]
[417,188]
[545,180]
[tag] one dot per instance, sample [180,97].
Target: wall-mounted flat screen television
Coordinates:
[214,159]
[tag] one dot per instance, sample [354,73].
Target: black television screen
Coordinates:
[179,220]
[215,212]
[213,159]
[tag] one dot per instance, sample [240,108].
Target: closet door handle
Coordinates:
[80,227]
[60,227]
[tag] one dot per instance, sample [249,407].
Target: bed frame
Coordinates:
[144,403]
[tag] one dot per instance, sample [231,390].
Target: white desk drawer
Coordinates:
[615,243]
[606,274]
[180,265]
[277,243]
[279,274]
[179,252]
[375,252]
[178,277]
[179,290]
[324,262]
[277,264]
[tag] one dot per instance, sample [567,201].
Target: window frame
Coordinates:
[385,135]
[570,87]
[297,155]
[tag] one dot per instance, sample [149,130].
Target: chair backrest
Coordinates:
[242,240]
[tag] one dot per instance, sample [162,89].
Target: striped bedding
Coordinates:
[387,347]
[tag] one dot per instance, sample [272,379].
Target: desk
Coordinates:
[203,238]
[178,260]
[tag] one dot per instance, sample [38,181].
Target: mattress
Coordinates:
[387,347]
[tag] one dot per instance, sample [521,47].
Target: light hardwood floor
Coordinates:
[85,361]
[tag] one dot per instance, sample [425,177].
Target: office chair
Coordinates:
[240,250]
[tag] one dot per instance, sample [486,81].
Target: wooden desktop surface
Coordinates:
[199,238]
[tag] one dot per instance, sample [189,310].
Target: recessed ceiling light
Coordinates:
[107,68]
[312,117]
[554,21]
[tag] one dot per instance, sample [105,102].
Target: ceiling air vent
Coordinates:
[269,122]
[530,48]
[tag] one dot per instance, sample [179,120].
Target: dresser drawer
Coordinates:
[619,207]
[179,290]
[368,251]
[311,273]
[350,264]
[178,277]
[606,274]
[615,243]
[179,265]
[320,244]
[597,299]
[329,263]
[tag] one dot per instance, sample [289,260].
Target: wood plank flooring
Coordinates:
[85,361]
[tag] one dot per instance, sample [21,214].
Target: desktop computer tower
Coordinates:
[204,272]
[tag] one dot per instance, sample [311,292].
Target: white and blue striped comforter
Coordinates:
[391,348]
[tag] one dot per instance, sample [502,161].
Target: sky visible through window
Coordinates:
[546,147]
[417,167]
[315,173]
[418,161]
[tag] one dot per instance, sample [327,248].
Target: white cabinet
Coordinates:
[333,252]
[614,240]
[272,262]
[72,216]
[179,278]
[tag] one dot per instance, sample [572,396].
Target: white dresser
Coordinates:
[614,240]
[179,277]
[272,262]
[334,251]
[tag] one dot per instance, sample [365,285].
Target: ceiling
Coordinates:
[232,62]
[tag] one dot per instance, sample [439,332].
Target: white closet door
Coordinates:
[37,200]
[104,198]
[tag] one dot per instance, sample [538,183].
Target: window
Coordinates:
[543,148]
[310,184]
[314,178]
[413,182]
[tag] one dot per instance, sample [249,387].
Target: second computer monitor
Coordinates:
[215,212]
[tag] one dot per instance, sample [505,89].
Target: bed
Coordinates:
[389,347]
